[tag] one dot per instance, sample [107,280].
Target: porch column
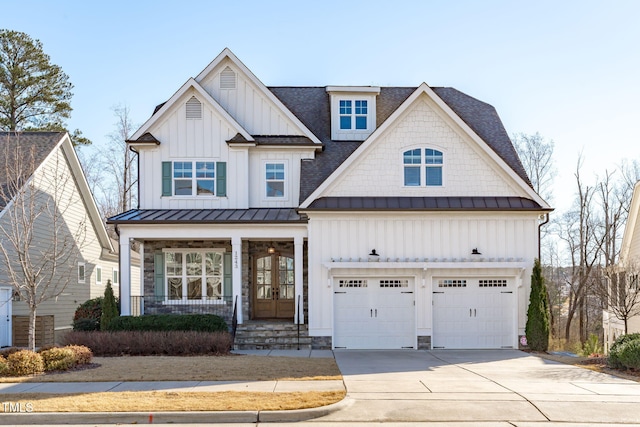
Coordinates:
[125,277]
[236,253]
[298,267]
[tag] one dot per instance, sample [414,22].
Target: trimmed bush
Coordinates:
[82,354]
[4,366]
[169,322]
[87,315]
[148,343]
[25,362]
[58,359]
[109,307]
[614,352]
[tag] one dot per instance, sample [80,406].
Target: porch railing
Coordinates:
[159,304]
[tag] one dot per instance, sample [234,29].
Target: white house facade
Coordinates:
[376,217]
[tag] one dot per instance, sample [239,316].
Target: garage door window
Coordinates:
[394,283]
[452,283]
[493,283]
[352,283]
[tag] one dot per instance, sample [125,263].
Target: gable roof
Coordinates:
[311,105]
[142,134]
[44,145]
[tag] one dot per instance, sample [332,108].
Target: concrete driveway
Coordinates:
[492,386]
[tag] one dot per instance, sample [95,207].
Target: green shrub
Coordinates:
[83,354]
[25,362]
[58,359]
[169,322]
[4,366]
[629,354]
[614,351]
[591,347]
[109,307]
[537,326]
[87,315]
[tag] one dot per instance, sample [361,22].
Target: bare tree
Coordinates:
[38,244]
[580,230]
[536,155]
[621,294]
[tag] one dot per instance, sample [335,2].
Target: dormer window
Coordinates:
[353,112]
[423,167]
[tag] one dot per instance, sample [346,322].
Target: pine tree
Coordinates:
[537,328]
[109,307]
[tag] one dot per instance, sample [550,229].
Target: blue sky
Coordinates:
[566,69]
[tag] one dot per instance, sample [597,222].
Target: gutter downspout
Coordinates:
[540,234]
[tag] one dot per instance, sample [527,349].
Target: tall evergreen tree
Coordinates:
[537,328]
[34,93]
[109,307]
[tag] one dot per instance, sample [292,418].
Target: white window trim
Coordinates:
[422,166]
[98,276]
[194,180]
[184,300]
[287,180]
[83,278]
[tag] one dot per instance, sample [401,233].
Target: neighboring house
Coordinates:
[50,156]
[376,217]
[623,281]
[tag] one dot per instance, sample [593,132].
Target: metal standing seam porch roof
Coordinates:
[209,216]
[292,216]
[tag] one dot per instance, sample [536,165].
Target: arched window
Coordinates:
[423,167]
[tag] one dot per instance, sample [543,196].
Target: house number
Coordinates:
[235,259]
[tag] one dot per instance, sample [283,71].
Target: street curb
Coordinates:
[251,417]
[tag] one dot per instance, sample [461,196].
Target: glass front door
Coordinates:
[274,290]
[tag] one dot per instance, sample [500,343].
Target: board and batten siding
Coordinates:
[467,171]
[87,250]
[407,236]
[248,104]
[257,188]
[187,139]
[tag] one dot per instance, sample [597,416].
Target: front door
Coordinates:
[274,289]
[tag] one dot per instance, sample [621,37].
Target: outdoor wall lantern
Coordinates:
[271,250]
[373,256]
[475,251]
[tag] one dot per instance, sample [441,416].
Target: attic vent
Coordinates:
[227,79]
[194,108]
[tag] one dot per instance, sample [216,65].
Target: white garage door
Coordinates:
[374,313]
[473,313]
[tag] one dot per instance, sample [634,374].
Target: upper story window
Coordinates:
[275,180]
[81,272]
[193,274]
[353,112]
[194,178]
[423,167]
[98,275]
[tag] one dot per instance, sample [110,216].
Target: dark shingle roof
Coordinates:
[209,216]
[311,106]
[21,143]
[424,203]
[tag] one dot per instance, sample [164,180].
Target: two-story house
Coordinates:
[47,213]
[377,217]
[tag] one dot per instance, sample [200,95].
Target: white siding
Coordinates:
[501,238]
[292,160]
[467,170]
[248,104]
